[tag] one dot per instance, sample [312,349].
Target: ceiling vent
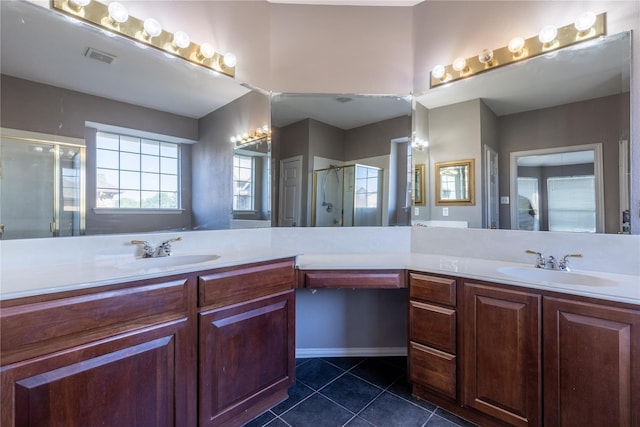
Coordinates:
[98,55]
[344,99]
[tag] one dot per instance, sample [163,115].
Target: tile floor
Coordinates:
[354,392]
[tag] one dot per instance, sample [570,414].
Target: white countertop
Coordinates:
[626,287]
[35,280]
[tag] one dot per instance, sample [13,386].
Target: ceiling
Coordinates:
[41,45]
[351,2]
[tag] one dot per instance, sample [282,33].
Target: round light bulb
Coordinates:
[265,128]
[585,21]
[438,72]
[152,27]
[79,3]
[460,64]
[516,45]
[233,139]
[547,34]
[118,12]
[230,60]
[486,56]
[181,39]
[207,51]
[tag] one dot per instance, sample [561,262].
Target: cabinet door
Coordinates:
[247,358]
[136,379]
[591,364]
[501,353]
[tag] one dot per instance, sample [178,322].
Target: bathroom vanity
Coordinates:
[208,347]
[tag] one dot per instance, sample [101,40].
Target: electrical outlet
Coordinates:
[416,211]
[504,200]
[445,211]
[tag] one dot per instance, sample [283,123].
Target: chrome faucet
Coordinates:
[551,263]
[164,249]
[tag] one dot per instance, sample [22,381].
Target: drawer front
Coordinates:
[433,326]
[233,285]
[433,369]
[377,279]
[434,289]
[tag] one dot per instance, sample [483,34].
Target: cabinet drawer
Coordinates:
[237,284]
[376,279]
[433,326]
[434,289]
[433,369]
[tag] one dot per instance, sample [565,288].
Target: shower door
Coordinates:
[41,188]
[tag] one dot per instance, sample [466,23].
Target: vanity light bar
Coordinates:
[146,32]
[246,139]
[517,50]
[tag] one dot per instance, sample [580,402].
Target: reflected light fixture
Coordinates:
[113,19]
[586,27]
[261,134]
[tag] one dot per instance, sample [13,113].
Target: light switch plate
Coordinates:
[416,211]
[445,211]
[504,200]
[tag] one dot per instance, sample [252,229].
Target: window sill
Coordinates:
[113,211]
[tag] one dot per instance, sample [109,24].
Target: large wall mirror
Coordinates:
[67,85]
[341,159]
[527,126]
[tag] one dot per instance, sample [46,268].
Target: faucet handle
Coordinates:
[540,261]
[146,246]
[175,239]
[564,262]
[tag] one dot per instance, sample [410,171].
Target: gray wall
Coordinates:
[587,122]
[373,140]
[52,110]
[212,158]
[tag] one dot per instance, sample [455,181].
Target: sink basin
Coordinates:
[170,261]
[555,276]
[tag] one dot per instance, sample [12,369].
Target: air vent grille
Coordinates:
[98,55]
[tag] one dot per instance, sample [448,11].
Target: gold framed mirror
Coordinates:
[455,183]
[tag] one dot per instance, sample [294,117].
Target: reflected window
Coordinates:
[572,203]
[528,204]
[136,173]
[367,187]
[243,183]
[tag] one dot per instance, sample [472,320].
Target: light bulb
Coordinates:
[486,56]
[79,4]
[585,21]
[438,72]
[207,51]
[181,40]
[516,45]
[230,60]
[152,27]
[460,64]
[265,128]
[547,34]
[233,139]
[118,12]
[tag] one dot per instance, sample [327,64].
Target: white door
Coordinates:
[290,192]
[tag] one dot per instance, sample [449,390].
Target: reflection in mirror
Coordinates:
[76,82]
[342,160]
[576,96]
[455,183]
[252,184]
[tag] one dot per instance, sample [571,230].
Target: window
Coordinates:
[572,203]
[136,173]
[367,187]
[243,183]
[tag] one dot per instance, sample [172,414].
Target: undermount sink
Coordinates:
[169,261]
[556,276]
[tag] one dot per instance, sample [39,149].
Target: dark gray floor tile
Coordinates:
[345,363]
[260,420]
[277,423]
[391,411]
[297,393]
[317,411]
[351,392]
[404,390]
[378,371]
[436,421]
[358,422]
[454,418]
[316,373]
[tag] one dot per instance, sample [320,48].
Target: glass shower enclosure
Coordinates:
[347,196]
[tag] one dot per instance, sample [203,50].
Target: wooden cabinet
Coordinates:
[591,364]
[247,346]
[433,334]
[121,356]
[205,348]
[352,279]
[502,353]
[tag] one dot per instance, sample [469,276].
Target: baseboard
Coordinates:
[305,353]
